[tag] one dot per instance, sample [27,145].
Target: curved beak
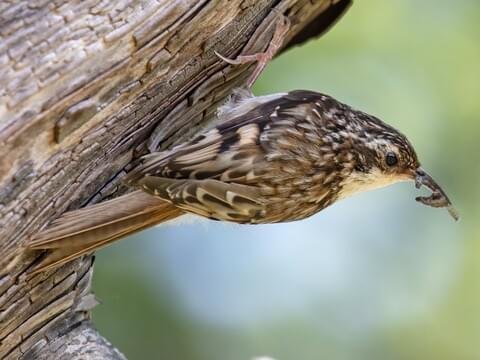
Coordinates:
[438,198]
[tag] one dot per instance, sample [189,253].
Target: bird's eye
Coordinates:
[391,159]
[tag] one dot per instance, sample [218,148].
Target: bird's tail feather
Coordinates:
[82,231]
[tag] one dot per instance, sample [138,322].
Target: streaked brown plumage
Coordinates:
[274,158]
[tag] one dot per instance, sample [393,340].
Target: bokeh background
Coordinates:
[377,276]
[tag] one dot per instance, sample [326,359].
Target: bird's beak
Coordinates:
[438,197]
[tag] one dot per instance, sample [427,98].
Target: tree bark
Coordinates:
[82,86]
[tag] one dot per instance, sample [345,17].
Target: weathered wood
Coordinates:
[82,86]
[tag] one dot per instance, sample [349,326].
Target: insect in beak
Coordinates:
[438,198]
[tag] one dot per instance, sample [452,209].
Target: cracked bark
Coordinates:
[82,87]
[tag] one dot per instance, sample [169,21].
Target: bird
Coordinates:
[270,159]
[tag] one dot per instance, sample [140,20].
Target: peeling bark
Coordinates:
[82,87]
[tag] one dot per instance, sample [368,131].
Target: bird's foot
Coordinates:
[262,58]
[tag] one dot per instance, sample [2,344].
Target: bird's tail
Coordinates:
[82,231]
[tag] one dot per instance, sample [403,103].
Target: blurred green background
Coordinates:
[377,276]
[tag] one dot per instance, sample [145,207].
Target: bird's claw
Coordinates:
[235,61]
[262,58]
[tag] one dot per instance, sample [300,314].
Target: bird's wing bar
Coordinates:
[209,198]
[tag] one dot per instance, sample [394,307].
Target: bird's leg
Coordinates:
[262,58]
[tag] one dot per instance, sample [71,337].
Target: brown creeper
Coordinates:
[283,157]
[273,158]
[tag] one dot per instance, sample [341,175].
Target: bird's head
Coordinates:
[383,156]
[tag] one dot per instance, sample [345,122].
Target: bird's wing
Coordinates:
[210,198]
[227,153]
[232,147]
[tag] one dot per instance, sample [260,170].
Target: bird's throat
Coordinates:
[358,182]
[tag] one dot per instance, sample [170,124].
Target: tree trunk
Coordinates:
[83,84]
